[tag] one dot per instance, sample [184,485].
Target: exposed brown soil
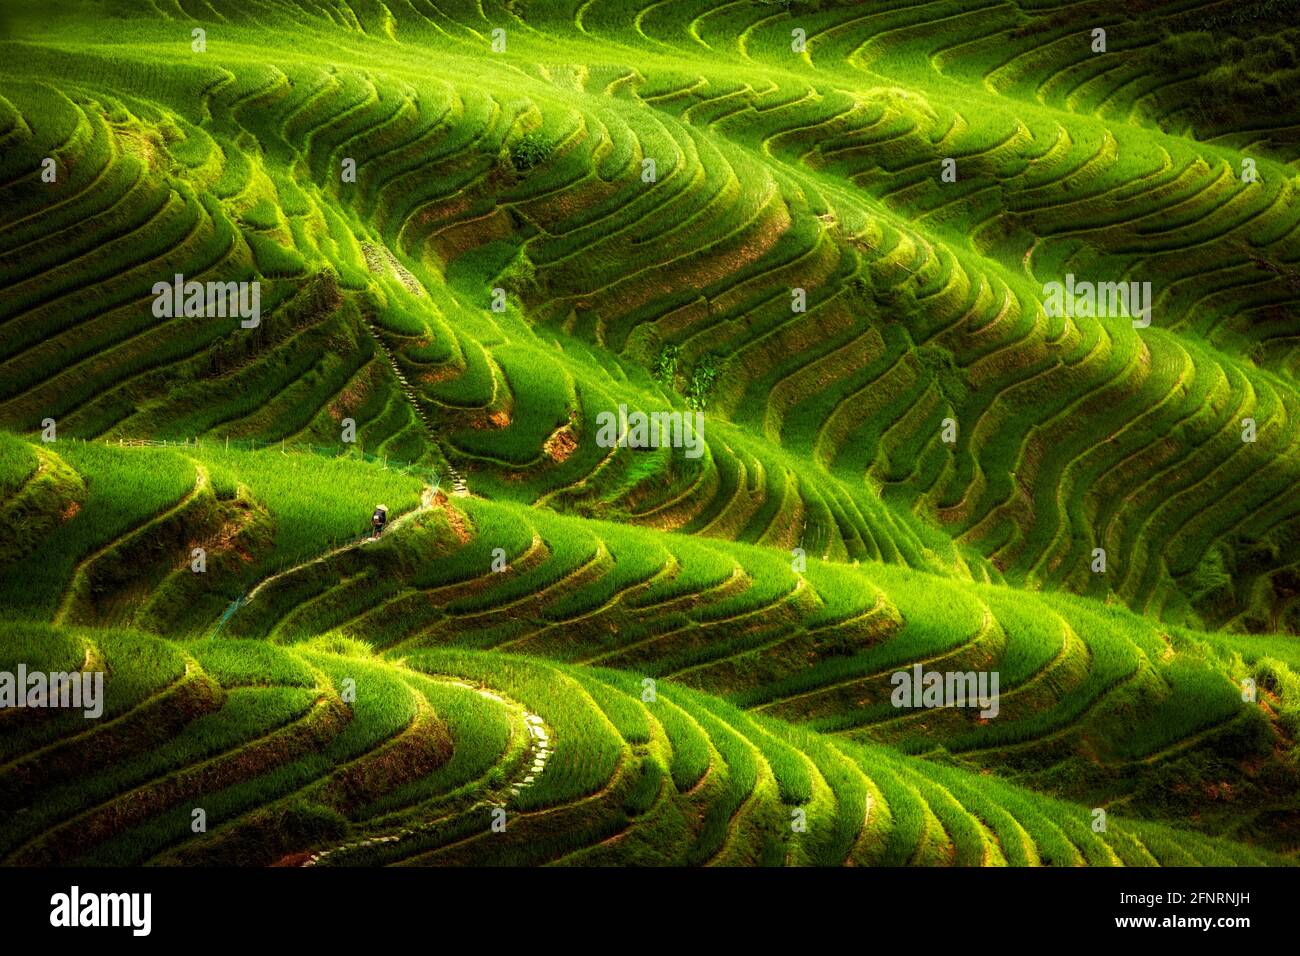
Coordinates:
[454,518]
[351,397]
[561,444]
[442,373]
[229,537]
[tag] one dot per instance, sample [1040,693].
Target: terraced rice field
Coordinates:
[480,231]
[581,769]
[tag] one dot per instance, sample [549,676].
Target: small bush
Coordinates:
[530,151]
[704,377]
[664,368]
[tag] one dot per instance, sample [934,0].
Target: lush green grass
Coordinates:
[541,741]
[905,460]
[1089,696]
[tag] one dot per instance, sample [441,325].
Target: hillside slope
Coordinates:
[323,755]
[831,240]
[1094,703]
[525,171]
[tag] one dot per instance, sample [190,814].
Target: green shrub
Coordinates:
[664,368]
[704,377]
[530,151]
